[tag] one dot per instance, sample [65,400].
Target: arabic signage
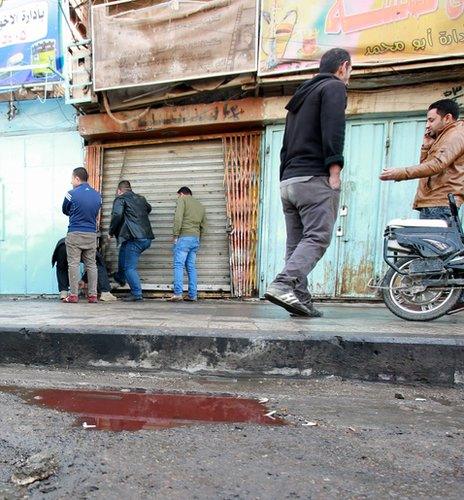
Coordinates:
[29,35]
[135,44]
[293,36]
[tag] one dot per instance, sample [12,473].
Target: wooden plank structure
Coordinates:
[92,162]
[241,181]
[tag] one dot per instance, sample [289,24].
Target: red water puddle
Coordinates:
[133,411]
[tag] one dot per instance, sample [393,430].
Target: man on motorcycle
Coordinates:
[441,168]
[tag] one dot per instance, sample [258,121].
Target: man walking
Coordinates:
[130,224]
[311,161]
[82,205]
[189,228]
[441,168]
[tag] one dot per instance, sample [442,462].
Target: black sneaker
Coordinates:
[313,312]
[132,298]
[307,301]
[284,296]
[115,276]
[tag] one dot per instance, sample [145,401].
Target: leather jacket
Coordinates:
[441,169]
[129,217]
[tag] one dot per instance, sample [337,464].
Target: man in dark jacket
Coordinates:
[130,224]
[311,162]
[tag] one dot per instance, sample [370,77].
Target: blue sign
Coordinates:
[30,36]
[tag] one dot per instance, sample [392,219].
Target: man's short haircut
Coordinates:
[124,186]
[333,59]
[446,106]
[81,173]
[185,190]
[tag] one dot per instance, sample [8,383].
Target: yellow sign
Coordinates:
[295,35]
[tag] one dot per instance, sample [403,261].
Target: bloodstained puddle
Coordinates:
[133,411]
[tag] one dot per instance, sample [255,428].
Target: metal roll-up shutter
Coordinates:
[157,172]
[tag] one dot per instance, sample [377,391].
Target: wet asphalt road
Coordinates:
[367,443]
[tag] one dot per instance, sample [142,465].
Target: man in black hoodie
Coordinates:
[311,161]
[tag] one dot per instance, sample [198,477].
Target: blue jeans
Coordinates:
[185,255]
[129,255]
[443,213]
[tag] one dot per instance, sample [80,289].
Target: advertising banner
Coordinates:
[295,33]
[135,44]
[29,35]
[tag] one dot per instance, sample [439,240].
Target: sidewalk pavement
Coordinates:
[224,336]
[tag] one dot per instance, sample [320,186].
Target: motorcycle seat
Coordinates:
[417,223]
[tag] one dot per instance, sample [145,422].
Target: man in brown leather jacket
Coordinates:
[441,168]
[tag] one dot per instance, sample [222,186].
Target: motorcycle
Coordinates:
[425,278]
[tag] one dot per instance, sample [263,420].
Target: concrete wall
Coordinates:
[38,150]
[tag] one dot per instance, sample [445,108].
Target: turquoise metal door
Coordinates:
[35,172]
[358,224]
[355,255]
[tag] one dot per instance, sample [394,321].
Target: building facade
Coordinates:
[221,131]
[198,98]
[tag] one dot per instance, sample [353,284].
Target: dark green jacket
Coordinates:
[190,218]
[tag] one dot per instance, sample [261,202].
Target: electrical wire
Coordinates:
[67,21]
[117,120]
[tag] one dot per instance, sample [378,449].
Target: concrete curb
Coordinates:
[405,359]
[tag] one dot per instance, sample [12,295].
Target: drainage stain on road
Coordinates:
[133,411]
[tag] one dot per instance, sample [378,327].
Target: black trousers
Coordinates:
[62,272]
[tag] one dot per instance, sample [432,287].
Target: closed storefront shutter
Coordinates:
[157,171]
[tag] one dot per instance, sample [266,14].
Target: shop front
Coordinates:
[223,172]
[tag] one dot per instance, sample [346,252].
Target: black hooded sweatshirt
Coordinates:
[315,128]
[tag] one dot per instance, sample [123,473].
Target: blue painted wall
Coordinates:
[355,255]
[38,150]
[35,116]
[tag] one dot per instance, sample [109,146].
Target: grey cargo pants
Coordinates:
[310,210]
[82,245]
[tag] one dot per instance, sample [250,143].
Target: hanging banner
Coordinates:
[294,34]
[29,35]
[142,43]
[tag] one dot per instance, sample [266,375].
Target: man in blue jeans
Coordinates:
[189,228]
[130,224]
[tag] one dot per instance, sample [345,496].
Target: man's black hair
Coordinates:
[124,186]
[185,190]
[81,173]
[445,107]
[333,59]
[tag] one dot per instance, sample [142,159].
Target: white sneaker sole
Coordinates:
[289,302]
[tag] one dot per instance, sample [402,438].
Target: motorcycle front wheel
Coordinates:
[407,300]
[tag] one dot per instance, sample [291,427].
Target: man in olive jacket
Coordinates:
[189,227]
[130,224]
